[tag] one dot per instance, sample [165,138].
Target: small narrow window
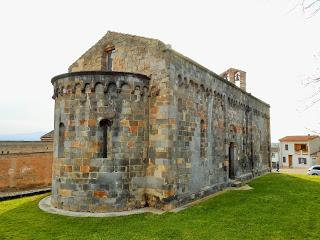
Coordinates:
[302,160]
[61,140]
[260,140]
[179,80]
[109,59]
[244,141]
[104,126]
[202,139]
[284,160]
[286,147]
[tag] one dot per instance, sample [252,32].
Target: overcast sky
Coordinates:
[275,46]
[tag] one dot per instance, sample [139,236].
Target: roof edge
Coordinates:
[217,76]
[95,73]
[106,36]
[298,138]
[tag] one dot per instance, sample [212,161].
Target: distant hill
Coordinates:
[22,136]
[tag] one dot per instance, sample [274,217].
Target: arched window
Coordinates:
[202,139]
[244,144]
[108,58]
[180,106]
[260,140]
[61,140]
[104,125]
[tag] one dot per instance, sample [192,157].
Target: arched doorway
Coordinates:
[231,160]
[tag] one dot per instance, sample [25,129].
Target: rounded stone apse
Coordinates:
[100,141]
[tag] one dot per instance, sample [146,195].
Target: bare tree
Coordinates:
[312,101]
[311,81]
[310,7]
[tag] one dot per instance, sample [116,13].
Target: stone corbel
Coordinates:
[60,91]
[55,93]
[83,97]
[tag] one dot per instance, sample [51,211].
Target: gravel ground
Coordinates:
[294,170]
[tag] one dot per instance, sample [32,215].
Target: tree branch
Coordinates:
[313,7]
[310,5]
[313,131]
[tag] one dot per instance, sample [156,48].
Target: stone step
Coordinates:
[237,184]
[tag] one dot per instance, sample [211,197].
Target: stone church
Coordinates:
[138,124]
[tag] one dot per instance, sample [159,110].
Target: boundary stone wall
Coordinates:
[25,165]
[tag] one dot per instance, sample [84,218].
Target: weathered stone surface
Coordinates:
[176,137]
[103,181]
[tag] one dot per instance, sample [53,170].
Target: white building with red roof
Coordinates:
[299,151]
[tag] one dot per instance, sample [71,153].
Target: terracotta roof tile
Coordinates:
[298,138]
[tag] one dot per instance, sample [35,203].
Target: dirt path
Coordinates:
[294,170]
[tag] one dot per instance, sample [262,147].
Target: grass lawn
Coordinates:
[279,207]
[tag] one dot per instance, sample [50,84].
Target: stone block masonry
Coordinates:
[100,153]
[138,124]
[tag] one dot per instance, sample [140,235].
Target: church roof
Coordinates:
[164,47]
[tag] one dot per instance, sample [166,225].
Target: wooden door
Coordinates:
[290,160]
[231,161]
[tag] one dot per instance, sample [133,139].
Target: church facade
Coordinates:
[138,124]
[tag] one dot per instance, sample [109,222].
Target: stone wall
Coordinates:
[229,115]
[145,56]
[197,122]
[97,168]
[10,147]
[25,165]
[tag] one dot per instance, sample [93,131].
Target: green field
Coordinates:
[279,206]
